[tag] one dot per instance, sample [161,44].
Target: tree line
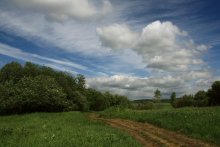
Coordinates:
[202,98]
[34,88]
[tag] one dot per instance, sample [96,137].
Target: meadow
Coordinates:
[59,129]
[200,123]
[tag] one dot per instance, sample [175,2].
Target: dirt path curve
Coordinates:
[151,136]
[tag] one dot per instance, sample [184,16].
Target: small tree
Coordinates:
[172,98]
[157,95]
[81,82]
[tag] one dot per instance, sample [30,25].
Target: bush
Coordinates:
[201,103]
[186,100]
[97,101]
[200,99]
[32,95]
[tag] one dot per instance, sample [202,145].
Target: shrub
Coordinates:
[31,95]
[186,100]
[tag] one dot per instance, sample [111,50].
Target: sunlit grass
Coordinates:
[69,129]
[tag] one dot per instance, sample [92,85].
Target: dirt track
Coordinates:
[152,136]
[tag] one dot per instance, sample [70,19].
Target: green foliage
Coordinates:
[34,88]
[11,72]
[99,101]
[185,101]
[201,99]
[157,96]
[172,98]
[31,70]
[201,123]
[32,94]
[67,129]
[214,94]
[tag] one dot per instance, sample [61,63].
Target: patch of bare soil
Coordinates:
[151,136]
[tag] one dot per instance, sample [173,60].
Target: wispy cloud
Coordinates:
[63,10]
[16,53]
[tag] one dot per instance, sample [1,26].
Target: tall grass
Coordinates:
[201,123]
[71,129]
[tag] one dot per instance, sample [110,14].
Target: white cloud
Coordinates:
[172,57]
[158,36]
[162,45]
[134,87]
[60,10]
[69,36]
[137,88]
[117,36]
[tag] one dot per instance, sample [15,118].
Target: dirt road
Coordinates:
[151,136]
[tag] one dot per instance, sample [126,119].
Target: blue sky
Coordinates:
[129,47]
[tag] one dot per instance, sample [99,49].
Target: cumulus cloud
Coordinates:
[162,45]
[173,58]
[117,36]
[60,10]
[158,36]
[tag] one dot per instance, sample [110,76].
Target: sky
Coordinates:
[127,47]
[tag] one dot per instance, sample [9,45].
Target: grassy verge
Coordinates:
[201,123]
[69,129]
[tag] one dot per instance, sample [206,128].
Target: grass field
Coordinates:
[201,123]
[69,129]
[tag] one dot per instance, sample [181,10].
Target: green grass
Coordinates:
[69,129]
[201,123]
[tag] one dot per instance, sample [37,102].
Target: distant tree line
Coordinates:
[34,88]
[200,99]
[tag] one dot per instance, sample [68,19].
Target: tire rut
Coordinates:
[151,136]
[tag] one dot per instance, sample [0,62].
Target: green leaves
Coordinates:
[34,88]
